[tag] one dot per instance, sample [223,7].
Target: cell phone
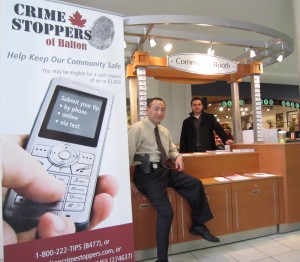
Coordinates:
[68,139]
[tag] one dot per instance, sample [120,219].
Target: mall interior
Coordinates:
[264,225]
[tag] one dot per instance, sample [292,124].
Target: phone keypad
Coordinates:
[72,206]
[70,166]
[64,179]
[41,150]
[64,169]
[75,198]
[63,154]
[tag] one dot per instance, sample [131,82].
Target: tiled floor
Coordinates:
[278,247]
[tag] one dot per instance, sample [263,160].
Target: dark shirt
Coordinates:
[207,124]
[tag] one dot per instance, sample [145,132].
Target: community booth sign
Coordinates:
[63,84]
[203,64]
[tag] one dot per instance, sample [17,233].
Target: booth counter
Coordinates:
[283,159]
[251,194]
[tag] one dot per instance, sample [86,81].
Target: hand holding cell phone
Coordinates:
[68,139]
[25,175]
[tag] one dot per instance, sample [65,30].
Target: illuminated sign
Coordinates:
[204,64]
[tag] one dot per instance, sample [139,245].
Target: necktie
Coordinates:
[163,155]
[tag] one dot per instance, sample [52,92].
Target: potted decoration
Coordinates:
[292,128]
[269,121]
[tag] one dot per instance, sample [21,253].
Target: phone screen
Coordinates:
[75,113]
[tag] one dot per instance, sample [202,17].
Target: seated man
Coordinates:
[150,146]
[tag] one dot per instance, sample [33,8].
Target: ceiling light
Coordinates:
[211,50]
[168,47]
[280,58]
[252,53]
[152,42]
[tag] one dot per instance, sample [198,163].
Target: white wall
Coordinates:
[177,98]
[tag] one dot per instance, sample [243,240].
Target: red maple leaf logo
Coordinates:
[76,19]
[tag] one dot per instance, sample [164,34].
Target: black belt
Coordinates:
[149,167]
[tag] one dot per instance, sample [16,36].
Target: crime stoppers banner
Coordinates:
[64,134]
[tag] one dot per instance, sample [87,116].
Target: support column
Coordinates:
[134,117]
[138,95]
[256,108]
[236,113]
[142,91]
[296,10]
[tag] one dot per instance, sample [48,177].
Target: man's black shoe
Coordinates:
[203,232]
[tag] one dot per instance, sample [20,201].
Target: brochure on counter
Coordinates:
[64,134]
[233,177]
[246,176]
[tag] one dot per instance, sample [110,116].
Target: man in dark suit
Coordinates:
[197,133]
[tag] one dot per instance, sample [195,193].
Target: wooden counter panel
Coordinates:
[255,204]
[219,199]
[281,200]
[271,157]
[292,184]
[144,221]
[282,159]
[212,165]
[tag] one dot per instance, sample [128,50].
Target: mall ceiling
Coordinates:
[273,14]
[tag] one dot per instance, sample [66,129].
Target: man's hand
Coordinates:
[179,163]
[229,142]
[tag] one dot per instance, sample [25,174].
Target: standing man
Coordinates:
[197,133]
[150,145]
